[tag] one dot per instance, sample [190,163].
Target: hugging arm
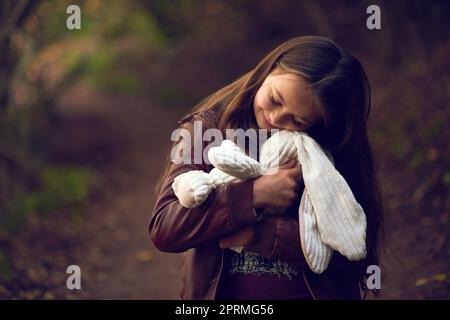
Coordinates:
[228,208]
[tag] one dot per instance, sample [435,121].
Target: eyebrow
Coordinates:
[282,100]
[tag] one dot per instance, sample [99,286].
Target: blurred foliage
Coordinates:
[5,268]
[105,55]
[63,188]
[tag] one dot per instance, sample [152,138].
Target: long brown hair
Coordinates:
[341,87]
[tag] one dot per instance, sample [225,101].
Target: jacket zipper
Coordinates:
[307,284]
[214,291]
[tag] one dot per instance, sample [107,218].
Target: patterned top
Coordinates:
[253,277]
[251,262]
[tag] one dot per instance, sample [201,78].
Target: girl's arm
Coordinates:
[227,209]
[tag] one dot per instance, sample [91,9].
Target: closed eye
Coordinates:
[275,102]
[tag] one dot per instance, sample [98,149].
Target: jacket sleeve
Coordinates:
[278,237]
[227,209]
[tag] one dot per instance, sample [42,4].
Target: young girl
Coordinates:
[306,84]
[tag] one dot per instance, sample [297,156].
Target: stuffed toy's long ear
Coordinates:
[340,218]
[317,254]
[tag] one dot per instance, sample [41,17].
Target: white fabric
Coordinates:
[329,215]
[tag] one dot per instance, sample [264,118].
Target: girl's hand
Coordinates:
[280,189]
[238,239]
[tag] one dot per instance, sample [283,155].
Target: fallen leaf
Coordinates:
[437,277]
[144,256]
[421,282]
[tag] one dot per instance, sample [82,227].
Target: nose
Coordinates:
[276,118]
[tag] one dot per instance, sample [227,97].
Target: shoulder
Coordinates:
[209,117]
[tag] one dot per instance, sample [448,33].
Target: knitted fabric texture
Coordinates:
[330,218]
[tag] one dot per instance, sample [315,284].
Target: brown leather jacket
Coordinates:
[197,232]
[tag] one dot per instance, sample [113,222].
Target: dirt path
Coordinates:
[128,265]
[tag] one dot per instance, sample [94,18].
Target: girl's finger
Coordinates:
[289,164]
[295,171]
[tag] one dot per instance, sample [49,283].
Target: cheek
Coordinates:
[260,100]
[256,102]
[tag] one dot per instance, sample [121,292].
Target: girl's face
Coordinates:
[284,101]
